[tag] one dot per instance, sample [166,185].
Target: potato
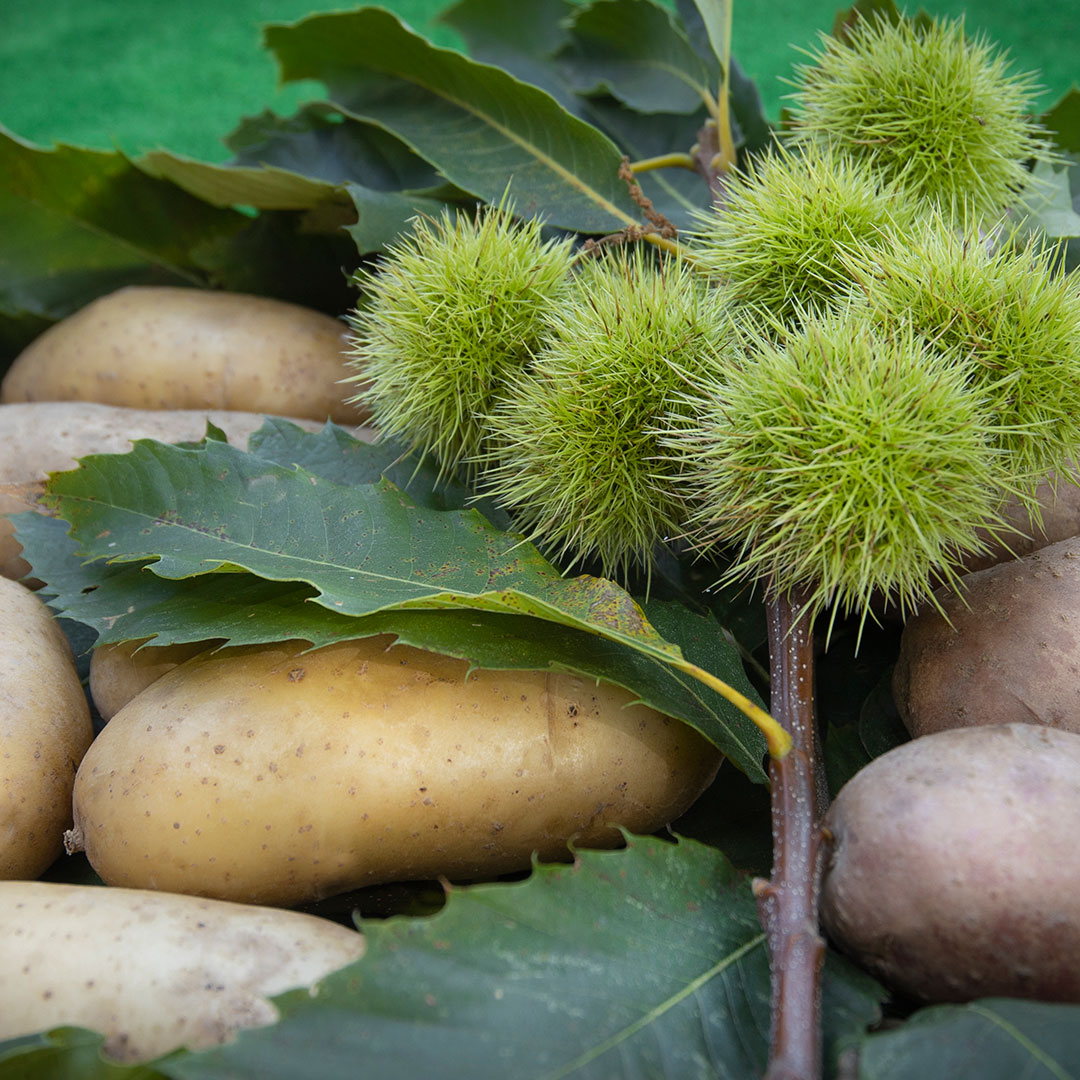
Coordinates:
[153,971]
[954,873]
[1058,498]
[44,732]
[119,672]
[271,775]
[163,347]
[1010,655]
[43,437]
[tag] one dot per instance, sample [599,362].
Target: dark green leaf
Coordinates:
[127,601]
[733,815]
[80,223]
[303,256]
[72,870]
[319,142]
[845,755]
[382,216]
[1062,120]
[854,664]
[17,330]
[716,17]
[490,26]
[880,726]
[480,127]
[262,187]
[739,607]
[855,704]
[364,548]
[382,182]
[994,1039]
[634,50]
[864,9]
[640,963]
[1049,207]
[751,129]
[336,455]
[644,962]
[334,552]
[522,44]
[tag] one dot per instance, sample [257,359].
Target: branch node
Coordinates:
[762,888]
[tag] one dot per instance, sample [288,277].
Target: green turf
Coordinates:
[143,74]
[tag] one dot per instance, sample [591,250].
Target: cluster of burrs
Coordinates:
[836,383]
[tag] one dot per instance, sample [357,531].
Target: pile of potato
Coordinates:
[269,775]
[158,362]
[276,775]
[953,870]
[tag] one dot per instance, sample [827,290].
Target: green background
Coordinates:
[178,74]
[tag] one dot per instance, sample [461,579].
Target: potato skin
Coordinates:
[44,732]
[1058,498]
[270,775]
[119,672]
[38,438]
[166,347]
[1010,655]
[954,873]
[153,971]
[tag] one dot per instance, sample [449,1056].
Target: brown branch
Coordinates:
[788,901]
[709,162]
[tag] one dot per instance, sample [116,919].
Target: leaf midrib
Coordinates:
[531,148]
[655,1012]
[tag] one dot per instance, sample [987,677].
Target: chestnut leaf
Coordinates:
[643,962]
[198,542]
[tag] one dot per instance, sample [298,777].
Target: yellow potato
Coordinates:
[42,437]
[119,672]
[44,732]
[163,347]
[153,971]
[271,775]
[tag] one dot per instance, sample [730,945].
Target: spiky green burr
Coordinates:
[1012,316]
[794,225]
[576,459]
[942,114]
[842,462]
[456,308]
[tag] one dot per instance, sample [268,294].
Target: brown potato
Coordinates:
[153,971]
[273,775]
[954,871]
[163,347]
[1009,651]
[43,437]
[44,732]
[1058,498]
[1059,509]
